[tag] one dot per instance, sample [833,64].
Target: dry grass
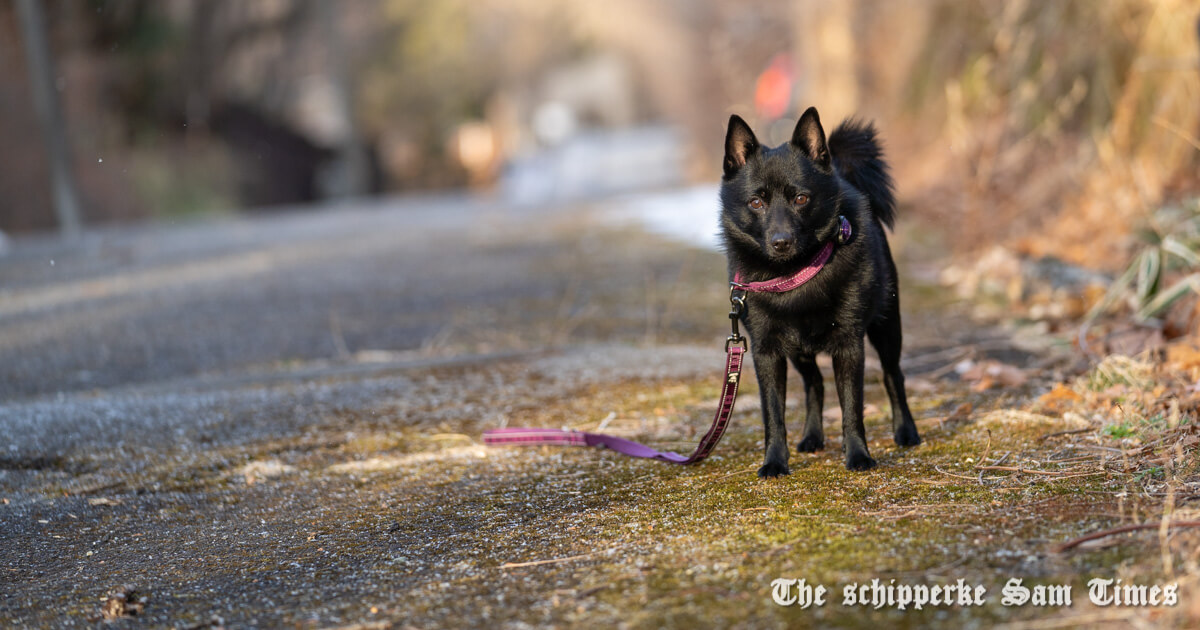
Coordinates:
[1062,119]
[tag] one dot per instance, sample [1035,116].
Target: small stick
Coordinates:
[736,472]
[953,475]
[1061,547]
[1058,433]
[986,452]
[1076,460]
[1048,473]
[1094,447]
[1086,474]
[591,591]
[516,565]
[1184,135]
[947,368]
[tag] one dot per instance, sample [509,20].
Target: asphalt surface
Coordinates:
[148,304]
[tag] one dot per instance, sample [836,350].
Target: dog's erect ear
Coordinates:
[809,137]
[740,144]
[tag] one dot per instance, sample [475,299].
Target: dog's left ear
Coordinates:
[809,137]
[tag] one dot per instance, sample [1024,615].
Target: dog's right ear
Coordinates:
[740,144]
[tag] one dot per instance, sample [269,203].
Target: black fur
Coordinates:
[801,188]
[859,160]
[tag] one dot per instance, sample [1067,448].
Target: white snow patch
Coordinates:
[686,214]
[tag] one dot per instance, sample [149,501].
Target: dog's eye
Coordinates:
[801,199]
[756,203]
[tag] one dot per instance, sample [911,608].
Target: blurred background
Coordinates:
[1054,127]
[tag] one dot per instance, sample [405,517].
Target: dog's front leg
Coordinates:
[771,369]
[848,372]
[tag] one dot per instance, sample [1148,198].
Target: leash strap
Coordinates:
[735,350]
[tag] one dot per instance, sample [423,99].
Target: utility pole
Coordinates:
[42,79]
[350,165]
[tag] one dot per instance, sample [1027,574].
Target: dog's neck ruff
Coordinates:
[784,284]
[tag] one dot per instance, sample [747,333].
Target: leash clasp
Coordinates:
[737,301]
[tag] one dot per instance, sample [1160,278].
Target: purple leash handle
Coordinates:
[563,437]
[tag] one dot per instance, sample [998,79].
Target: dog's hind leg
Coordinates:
[814,396]
[848,374]
[771,369]
[886,336]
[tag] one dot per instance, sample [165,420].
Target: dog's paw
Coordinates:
[810,444]
[907,435]
[771,470]
[860,461]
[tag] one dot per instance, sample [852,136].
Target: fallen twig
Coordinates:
[947,368]
[1075,460]
[517,565]
[1058,433]
[725,476]
[591,591]
[1097,447]
[959,476]
[986,452]
[1047,473]
[1061,547]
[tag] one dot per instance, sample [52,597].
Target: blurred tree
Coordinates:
[43,81]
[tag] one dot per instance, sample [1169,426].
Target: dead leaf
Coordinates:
[125,601]
[1132,340]
[1058,399]
[990,373]
[962,413]
[1183,357]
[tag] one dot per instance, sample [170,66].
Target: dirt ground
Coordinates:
[277,423]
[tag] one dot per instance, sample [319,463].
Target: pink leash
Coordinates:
[733,370]
[735,349]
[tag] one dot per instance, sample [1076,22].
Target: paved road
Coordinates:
[150,304]
[357,289]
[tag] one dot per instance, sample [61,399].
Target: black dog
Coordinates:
[780,207]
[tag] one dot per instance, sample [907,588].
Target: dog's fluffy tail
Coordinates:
[858,158]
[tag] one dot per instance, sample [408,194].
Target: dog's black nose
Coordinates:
[781,244]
